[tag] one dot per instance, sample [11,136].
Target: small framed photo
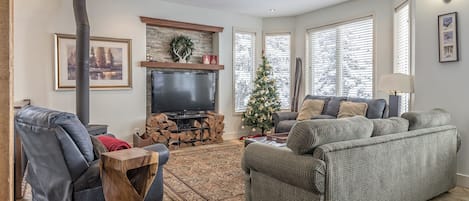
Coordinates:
[110,63]
[448,37]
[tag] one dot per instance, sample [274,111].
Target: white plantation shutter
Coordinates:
[402,47]
[244,48]
[341,59]
[278,53]
[323,62]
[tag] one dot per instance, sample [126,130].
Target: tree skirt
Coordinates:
[210,172]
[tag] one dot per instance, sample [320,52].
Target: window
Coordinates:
[402,47]
[278,53]
[244,48]
[341,59]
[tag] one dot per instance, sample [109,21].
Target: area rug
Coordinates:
[209,172]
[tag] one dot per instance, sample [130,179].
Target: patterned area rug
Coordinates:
[210,172]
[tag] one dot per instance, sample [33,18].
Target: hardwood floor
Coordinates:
[457,194]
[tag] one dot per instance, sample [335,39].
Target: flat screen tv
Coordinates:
[183,91]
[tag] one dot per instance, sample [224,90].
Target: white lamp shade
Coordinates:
[397,82]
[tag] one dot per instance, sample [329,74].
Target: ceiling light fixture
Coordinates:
[272,10]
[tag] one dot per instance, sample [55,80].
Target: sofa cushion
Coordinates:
[310,108]
[389,126]
[325,98]
[351,109]
[324,117]
[307,135]
[428,119]
[333,106]
[285,126]
[376,107]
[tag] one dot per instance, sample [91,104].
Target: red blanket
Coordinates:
[113,144]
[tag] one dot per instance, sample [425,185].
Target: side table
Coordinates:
[114,167]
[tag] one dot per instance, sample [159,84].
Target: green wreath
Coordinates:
[181,48]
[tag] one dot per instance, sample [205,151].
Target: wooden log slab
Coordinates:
[162,130]
[114,166]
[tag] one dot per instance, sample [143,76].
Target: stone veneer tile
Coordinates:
[159,38]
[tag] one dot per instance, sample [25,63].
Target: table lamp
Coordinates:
[393,84]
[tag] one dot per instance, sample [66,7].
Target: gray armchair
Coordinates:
[62,165]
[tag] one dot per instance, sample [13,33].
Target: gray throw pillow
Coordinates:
[98,147]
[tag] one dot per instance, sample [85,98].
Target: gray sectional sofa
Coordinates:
[397,159]
[284,121]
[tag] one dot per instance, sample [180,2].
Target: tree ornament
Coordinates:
[181,48]
[264,100]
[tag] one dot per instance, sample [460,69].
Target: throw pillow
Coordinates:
[310,108]
[350,109]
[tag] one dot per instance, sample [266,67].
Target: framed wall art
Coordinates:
[110,62]
[448,37]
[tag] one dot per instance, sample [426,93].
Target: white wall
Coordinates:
[443,85]
[383,21]
[37,21]
[279,24]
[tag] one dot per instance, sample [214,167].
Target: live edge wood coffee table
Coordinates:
[143,166]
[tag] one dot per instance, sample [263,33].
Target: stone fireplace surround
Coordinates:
[159,128]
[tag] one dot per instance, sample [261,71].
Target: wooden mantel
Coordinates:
[180,25]
[174,65]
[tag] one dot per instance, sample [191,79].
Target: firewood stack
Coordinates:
[216,125]
[159,129]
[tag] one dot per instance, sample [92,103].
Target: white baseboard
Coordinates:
[232,135]
[462,180]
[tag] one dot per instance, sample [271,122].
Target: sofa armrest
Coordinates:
[162,151]
[397,162]
[281,116]
[302,171]
[277,117]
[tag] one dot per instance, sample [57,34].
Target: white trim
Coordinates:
[308,74]
[233,81]
[397,8]
[232,135]
[340,22]
[462,180]
[292,60]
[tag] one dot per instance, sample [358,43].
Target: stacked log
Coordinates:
[159,129]
[216,125]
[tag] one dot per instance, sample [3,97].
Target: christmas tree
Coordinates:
[264,100]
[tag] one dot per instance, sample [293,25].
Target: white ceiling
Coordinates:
[260,8]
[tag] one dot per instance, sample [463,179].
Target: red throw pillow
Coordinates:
[113,144]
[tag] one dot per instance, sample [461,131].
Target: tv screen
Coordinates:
[181,91]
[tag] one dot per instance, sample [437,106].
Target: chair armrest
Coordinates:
[302,171]
[162,151]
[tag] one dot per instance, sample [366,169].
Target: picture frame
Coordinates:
[448,37]
[110,63]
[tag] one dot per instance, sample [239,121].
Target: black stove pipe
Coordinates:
[82,61]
